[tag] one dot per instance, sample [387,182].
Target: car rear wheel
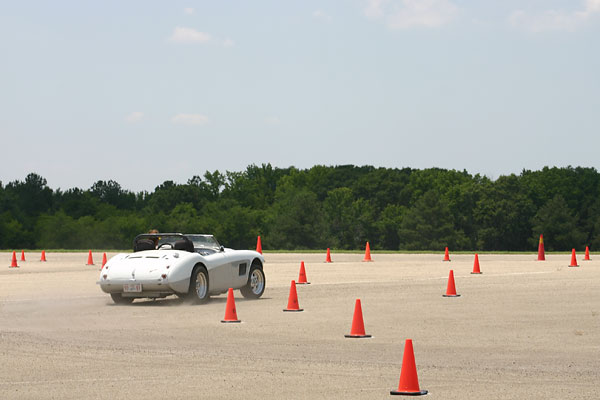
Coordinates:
[255,286]
[198,292]
[119,299]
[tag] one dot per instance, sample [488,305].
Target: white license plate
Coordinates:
[132,287]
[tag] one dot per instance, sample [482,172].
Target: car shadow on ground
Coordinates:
[223,299]
[175,301]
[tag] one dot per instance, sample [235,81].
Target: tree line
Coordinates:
[340,207]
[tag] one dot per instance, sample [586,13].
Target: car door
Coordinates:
[229,269]
[239,268]
[219,273]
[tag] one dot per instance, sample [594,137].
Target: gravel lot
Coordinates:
[522,330]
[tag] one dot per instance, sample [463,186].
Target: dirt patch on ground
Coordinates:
[522,329]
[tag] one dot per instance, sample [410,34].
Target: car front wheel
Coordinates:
[255,286]
[198,292]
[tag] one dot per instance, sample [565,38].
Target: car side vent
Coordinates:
[243,267]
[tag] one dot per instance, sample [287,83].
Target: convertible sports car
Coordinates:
[191,266]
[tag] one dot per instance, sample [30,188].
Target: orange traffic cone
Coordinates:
[358,325]
[409,381]
[451,289]
[90,260]
[587,254]
[43,258]
[541,254]
[476,269]
[230,312]
[328,259]
[258,245]
[22,255]
[103,260]
[293,300]
[573,259]
[13,261]
[302,276]
[367,253]
[446,255]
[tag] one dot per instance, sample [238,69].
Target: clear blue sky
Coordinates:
[145,91]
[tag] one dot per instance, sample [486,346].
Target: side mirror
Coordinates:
[222,248]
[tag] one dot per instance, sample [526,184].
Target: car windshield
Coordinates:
[204,241]
[167,240]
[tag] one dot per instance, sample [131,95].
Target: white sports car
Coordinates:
[190,266]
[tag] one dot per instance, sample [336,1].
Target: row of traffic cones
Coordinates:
[90,260]
[542,254]
[409,384]
[409,381]
[328,257]
[231,311]
[366,259]
[13,262]
[451,289]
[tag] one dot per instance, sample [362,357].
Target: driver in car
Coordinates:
[155,239]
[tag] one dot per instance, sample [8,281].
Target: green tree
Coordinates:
[118,231]
[111,192]
[383,186]
[558,225]
[338,206]
[428,225]
[502,214]
[350,222]
[295,221]
[12,232]
[58,231]
[340,218]
[183,218]
[387,227]
[76,202]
